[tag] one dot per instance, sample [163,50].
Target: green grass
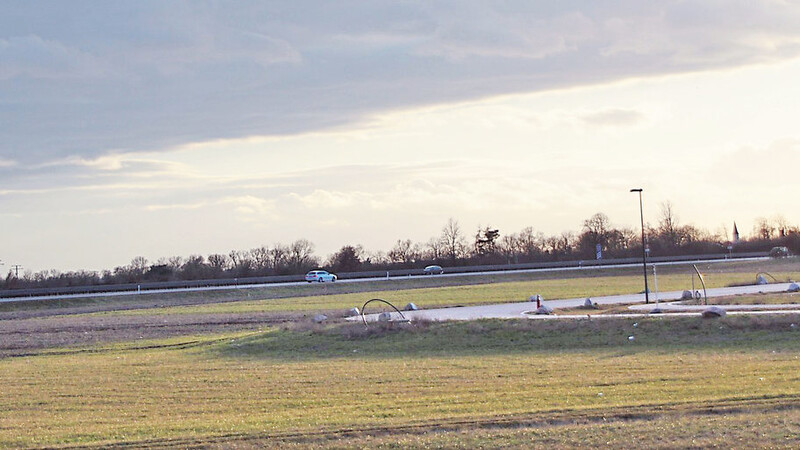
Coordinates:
[756,299]
[306,380]
[428,291]
[498,292]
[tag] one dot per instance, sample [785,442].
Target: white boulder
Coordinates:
[319,318]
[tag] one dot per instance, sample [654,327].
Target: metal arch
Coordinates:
[364,318]
[766,273]
[699,275]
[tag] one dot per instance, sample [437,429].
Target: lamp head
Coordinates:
[636,190]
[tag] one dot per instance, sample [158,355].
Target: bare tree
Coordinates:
[261,259]
[781,224]
[530,243]
[435,248]
[218,263]
[668,229]
[454,241]
[139,265]
[551,245]
[377,258]
[763,228]
[404,252]
[510,248]
[278,255]
[566,242]
[597,226]
[242,263]
[176,262]
[596,233]
[301,254]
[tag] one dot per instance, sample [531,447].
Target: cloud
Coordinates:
[250,207]
[88,79]
[36,58]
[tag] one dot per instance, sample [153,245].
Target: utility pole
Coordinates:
[644,248]
[16,268]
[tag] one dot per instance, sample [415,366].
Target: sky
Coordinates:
[155,129]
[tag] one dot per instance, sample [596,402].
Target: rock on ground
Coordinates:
[713,312]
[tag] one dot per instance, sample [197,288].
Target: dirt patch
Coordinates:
[25,336]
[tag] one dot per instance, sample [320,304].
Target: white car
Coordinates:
[433,270]
[320,276]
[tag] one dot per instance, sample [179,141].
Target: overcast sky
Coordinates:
[173,128]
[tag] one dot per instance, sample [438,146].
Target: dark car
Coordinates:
[779,252]
[433,270]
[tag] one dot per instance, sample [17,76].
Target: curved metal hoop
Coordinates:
[766,273]
[364,318]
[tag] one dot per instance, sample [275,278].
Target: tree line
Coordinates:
[452,247]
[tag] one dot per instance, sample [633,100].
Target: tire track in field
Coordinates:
[542,419]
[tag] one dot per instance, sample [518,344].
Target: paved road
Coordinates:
[518,310]
[359,280]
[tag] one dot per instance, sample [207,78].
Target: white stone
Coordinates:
[319,318]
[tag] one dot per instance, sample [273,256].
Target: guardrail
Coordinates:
[161,285]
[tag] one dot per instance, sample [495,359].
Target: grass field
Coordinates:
[256,373]
[299,382]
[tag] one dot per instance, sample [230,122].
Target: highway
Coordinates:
[358,280]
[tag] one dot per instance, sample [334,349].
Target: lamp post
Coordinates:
[644,253]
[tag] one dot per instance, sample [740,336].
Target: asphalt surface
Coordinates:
[519,309]
[355,280]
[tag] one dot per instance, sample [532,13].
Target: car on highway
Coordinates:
[779,252]
[433,270]
[320,276]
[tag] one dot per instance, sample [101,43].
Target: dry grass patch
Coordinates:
[344,377]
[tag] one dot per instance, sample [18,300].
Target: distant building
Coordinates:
[735,233]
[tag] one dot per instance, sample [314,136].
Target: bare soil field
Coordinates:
[24,337]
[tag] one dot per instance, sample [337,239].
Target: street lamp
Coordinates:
[644,253]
